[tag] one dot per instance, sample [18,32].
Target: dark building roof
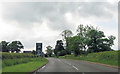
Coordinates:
[27,51]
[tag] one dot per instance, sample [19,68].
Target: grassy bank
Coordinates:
[20,62]
[6,55]
[26,67]
[107,57]
[11,62]
[9,59]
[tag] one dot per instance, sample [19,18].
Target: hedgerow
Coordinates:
[9,59]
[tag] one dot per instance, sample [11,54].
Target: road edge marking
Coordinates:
[43,67]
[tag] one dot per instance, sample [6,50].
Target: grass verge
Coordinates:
[107,57]
[26,67]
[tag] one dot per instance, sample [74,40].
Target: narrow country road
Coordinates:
[64,65]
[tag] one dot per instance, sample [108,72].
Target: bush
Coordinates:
[62,53]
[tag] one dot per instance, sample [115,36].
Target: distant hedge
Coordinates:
[9,59]
[10,62]
[6,55]
[106,57]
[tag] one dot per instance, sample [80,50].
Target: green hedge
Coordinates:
[107,57]
[10,62]
[24,68]
[6,55]
[9,59]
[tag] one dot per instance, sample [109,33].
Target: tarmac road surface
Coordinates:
[65,65]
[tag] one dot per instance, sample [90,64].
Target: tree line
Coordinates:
[14,46]
[87,40]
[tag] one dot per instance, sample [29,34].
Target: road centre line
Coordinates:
[72,65]
[75,67]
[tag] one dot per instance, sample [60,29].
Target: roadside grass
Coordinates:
[9,59]
[6,55]
[21,62]
[26,67]
[10,62]
[107,57]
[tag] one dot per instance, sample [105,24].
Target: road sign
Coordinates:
[39,47]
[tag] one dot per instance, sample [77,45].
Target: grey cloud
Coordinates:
[30,12]
[97,9]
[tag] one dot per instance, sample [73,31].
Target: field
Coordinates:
[107,57]
[20,62]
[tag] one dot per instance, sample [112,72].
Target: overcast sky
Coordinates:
[32,22]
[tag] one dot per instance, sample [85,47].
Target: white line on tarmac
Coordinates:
[75,67]
[43,67]
[72,65]
[83,73]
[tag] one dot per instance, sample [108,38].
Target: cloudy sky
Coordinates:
[32,22]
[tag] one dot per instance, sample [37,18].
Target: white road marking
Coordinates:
[83,73]
[43,67]
[72,66]
[75,67]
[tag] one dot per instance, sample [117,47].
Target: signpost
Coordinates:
[39,49]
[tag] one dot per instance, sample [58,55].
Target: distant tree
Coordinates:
[59,47]
[55,51]
[98,42]
[16,46]
[4,45]
[70,43]
[65,34]
[49,51]
[82,32]
[74,45]
[89,39]
[34,52]
[62,53]
[111,40]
